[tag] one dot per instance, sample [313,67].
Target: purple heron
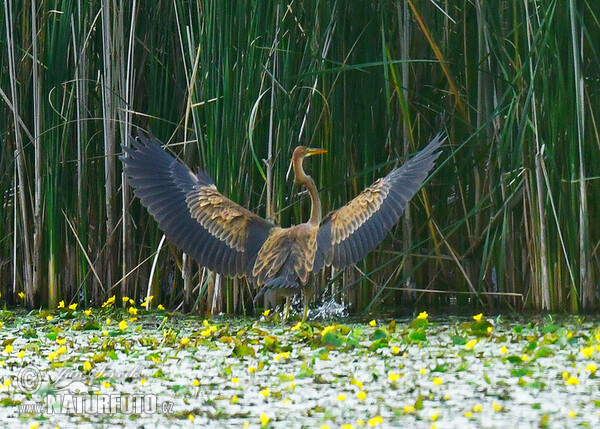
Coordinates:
[228,239]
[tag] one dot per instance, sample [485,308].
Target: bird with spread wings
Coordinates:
[231,240]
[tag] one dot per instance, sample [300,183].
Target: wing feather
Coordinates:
[346,235]
[218,233]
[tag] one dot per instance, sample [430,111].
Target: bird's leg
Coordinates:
[287,308]
[305,309]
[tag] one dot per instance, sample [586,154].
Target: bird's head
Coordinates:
[303,151]
[299,154]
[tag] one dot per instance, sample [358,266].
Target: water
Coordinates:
[444,371]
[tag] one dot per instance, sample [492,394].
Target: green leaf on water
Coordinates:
[544,351]
[419,402]
[379,334]
[419,323]
[519,372]
[332,339]
[242,349]
[418,335]
[458,340]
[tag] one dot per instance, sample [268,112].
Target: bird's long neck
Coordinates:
[303,179]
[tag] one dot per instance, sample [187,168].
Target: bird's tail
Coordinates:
[277,283]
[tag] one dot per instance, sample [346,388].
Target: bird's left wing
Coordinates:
[218,233]
[346,235]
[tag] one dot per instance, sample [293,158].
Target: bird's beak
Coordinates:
[317,151]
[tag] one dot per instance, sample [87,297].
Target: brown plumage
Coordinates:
[226,238]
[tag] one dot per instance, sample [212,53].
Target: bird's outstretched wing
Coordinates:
[346,235]
[218,233]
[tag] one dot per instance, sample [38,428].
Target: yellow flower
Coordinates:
[264,419]
[88,312]
[437,381]
[73,306]
[87,366]
[61,304]
[327,329]
[251,369]
[423,371]
[422,315]
[234,399]
[196,382]
[346,426]
[246,425]
[21,354]
[572,413]
[435,415]
[191,417]
[524,358]
[341,397]
[108,320]
[360,422]
[496,407]
[184,341]
[21,295]
[34,425]
[587,351]
[409,409]
[110,301]
[395,350]
[477,317]
[61,350]
[591,368]
[569,335]
[122,325]
[572,381]
[6,383]
[392,376]
[357,383]
[361,395]
[205,333]
[377,420]
[105,333]
[468,414]
[324,426]
[266,312]
[490,329]
[161,307]
[105,384]
[297,326]
[503,350]
[61,341]
[8,349]
[49,318]
[235,380]
[470,344]
[143,381]
[477,408]
[265,392]
[133,311]
[373,323]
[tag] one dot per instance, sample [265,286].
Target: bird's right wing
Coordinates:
[346,235]
[218,233]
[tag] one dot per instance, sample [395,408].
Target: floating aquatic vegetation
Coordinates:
[420,372]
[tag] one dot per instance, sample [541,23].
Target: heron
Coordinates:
[226,238]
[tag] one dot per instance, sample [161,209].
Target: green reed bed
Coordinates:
[509,217]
